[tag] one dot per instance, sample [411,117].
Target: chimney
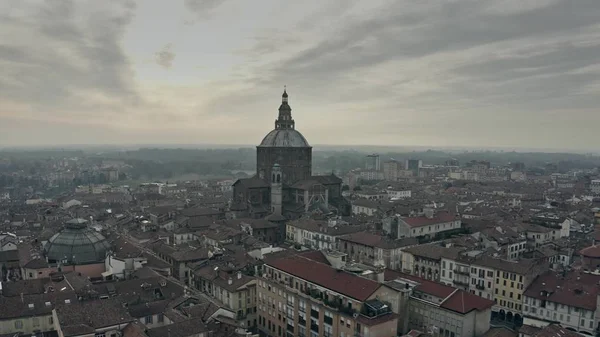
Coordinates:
[239,275]
[230,281]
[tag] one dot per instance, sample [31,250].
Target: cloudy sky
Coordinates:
[514,73]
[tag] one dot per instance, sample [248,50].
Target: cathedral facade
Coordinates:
[284,187]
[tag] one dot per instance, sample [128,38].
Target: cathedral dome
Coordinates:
[284,138]
[77,244]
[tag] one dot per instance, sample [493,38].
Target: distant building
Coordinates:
[391,170]
[414,165]
[595,186]
[373,162]
[452,162]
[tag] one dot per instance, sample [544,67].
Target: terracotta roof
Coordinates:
[78,318]
[454,299]
[434,251]
[591,251]
[529,330]
[500,332]
[554,330]
[425,221]
[426,286]
[325,276]
[192,327]
[464,302]
[574,289]
[373,240]
[315,255]
[521,267]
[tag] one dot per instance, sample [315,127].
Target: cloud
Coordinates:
[65,59]
[446,73]
[203,8]
[165,56]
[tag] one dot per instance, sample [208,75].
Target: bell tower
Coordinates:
[276,190]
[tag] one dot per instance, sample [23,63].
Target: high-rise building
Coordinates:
[373,162]
[391,170]
[414,165]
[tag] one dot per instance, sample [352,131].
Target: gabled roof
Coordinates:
[573,289]
[374,240]
[453,299]
[330,179]
[464,302]
[326,276]
[425,221]
[253,182]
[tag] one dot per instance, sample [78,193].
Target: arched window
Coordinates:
[278,178]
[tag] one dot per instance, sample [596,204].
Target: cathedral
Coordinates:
[284,187]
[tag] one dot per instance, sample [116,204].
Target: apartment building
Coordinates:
[569,298]
[374,250]
[235,291]
[318,234]
[500,280]
[539,235]
[299,296]
[428,225]
[442,310]
[459,273]
[512,244]
[425,261]
[365,206]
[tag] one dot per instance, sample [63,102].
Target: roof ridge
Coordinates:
[449,296]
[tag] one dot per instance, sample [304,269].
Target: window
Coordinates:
[36,321]
[19,324]
[148,319]
[160,318]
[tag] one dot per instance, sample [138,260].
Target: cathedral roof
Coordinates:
[284,138]
[285,133]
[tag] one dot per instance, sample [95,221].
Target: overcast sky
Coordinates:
[514,73]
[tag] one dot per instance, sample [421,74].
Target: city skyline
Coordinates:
[463,74]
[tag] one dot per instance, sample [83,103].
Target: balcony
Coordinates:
[461,272]
[480,286]
[461,283]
